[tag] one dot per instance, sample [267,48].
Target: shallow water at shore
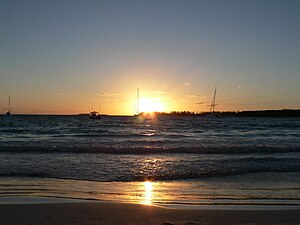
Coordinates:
[265,189]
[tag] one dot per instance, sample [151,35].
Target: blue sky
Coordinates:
[63,56]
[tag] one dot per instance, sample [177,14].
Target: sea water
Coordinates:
[164,160]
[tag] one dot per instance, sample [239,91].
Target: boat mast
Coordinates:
[213,103]
[137,101]
[9,108]
[92,107]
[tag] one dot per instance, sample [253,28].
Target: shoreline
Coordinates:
[107,213]
[44,200]
[246,192]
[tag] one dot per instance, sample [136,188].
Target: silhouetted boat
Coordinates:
[141,116]
[8,113]
[212,112]
[137,102]
[95,115]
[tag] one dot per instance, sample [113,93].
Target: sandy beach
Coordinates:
[106,213]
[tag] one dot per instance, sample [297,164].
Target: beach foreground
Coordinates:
[119,213]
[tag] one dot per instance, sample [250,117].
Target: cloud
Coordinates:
[105,94]
[193,96]
[187,84]
[199,103]
[159,92]
[239,87]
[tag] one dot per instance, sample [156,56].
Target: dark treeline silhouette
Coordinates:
[179,113]
[271,113]
[257,113]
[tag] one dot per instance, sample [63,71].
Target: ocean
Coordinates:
[167,160]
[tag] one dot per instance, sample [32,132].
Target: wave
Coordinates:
[147,149]
[172,176]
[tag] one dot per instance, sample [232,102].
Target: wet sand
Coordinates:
[106,213]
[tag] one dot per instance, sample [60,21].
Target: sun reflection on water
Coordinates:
[148,195]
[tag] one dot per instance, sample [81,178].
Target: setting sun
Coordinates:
[151,105]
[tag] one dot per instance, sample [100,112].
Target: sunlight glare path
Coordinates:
[148,193]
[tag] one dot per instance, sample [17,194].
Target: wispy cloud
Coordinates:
[106,94]
[199,103]
[159,92]
[187,84]
[193,96]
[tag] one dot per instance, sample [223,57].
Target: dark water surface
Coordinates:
[260,153]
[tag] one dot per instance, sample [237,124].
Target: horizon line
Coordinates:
[178,111]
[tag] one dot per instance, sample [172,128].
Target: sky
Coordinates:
[69,57]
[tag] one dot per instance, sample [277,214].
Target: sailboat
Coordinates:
[142,116]
[213,102]
[8,113]
[213,105]
[137,102]
[94,114]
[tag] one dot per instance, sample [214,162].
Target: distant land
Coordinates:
[254,113]
[249,113]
